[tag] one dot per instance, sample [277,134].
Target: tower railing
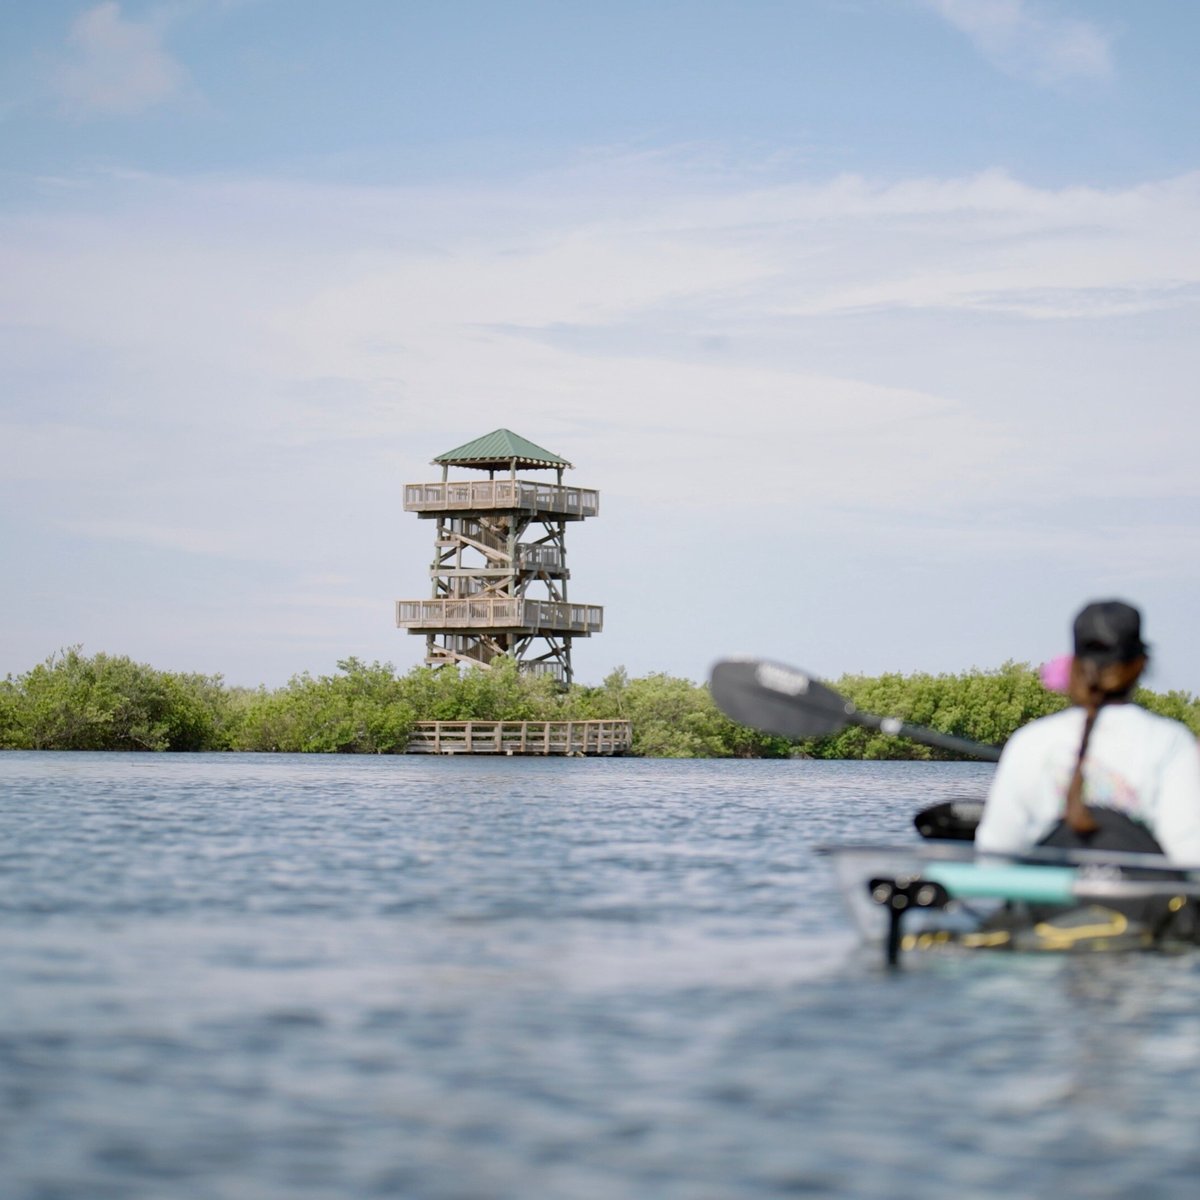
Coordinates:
[531,556]
[512,494]
[546,558]
[500,612]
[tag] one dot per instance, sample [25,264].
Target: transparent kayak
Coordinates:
[932,895]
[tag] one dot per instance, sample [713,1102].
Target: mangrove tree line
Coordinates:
[73,701]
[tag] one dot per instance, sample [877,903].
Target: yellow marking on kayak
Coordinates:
[1062,938]
[980,941]
[943,937]
[926,940]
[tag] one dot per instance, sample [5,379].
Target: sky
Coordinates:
[874,322]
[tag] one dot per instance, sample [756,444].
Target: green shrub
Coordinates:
[361,710]
[71,702]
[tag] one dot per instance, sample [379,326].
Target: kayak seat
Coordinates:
[1117,831]
[1159,918]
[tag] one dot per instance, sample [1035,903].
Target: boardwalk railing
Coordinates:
[512,494]
[503,612]
[573,738]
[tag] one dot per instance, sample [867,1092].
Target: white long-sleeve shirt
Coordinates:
[1137,762]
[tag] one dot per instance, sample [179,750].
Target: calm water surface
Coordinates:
[267,977]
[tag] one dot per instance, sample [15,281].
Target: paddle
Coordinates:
[950,820]
[783,700]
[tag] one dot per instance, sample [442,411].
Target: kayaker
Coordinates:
[1104,773]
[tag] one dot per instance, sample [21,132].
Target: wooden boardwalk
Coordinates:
[574,739]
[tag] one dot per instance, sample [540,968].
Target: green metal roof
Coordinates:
[500,448]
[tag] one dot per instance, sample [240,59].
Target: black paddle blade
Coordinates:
[777,699]
[951,820]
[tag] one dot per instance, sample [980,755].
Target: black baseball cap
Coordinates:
[1109,631]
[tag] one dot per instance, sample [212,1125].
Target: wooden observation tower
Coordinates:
[499,568]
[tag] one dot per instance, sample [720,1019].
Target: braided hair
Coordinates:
[1094,684]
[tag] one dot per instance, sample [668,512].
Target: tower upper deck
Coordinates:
[501,495]
[496,452]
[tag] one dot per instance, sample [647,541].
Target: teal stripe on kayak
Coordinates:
[1042,885]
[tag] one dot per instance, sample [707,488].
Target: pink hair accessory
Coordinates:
[1056,674]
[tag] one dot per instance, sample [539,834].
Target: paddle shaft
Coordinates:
[894,727]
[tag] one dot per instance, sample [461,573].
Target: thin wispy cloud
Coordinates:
[116,66]
[1025,39]
[276,313]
